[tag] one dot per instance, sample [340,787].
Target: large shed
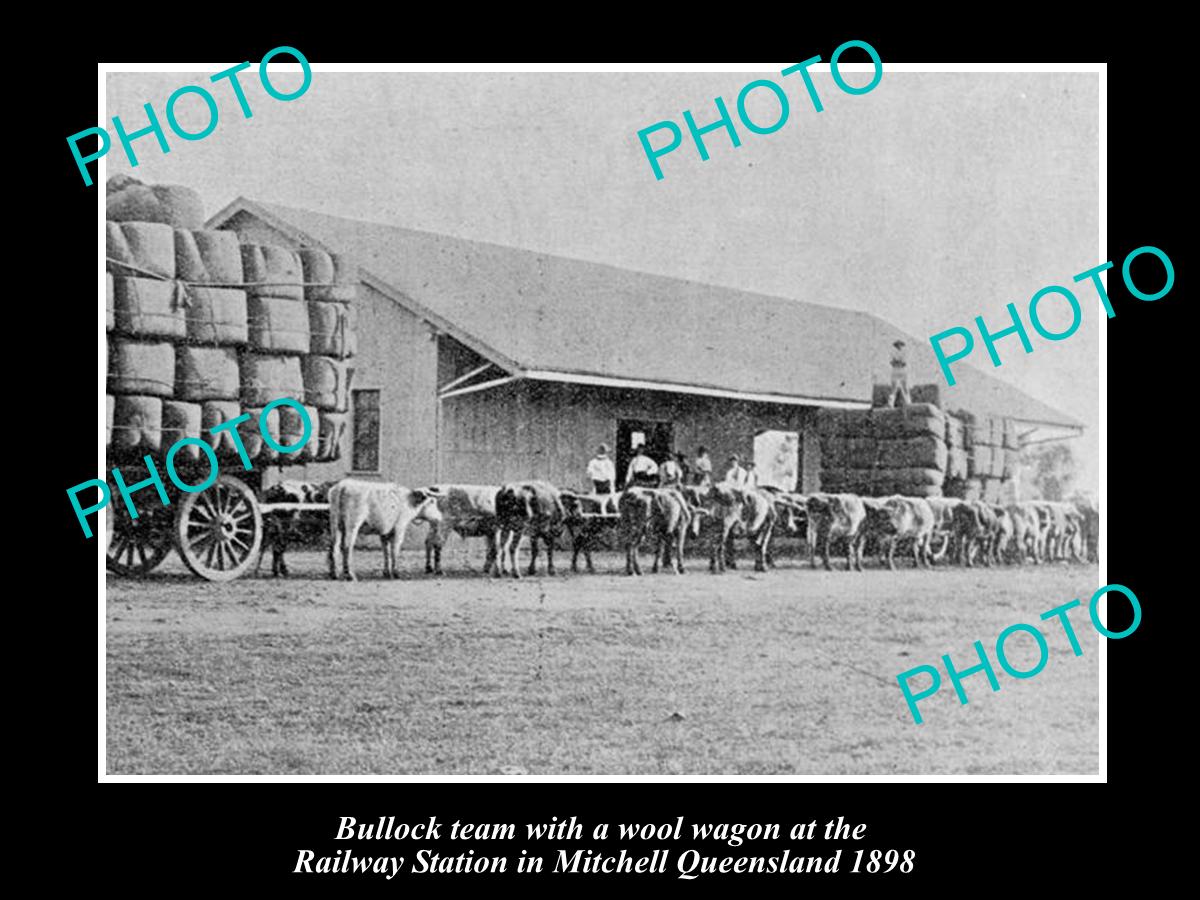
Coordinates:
[481,363]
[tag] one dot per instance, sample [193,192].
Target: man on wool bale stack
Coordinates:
[899,375]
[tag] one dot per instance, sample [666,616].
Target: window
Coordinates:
[366,431]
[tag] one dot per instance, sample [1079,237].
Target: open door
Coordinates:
[777,459]
[658,438]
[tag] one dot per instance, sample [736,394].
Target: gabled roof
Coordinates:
[552,317]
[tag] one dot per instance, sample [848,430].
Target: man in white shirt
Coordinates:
[703,468]
[750,482]
[735,475]
[899,375]
[670,473]
[643,471]
[602,472]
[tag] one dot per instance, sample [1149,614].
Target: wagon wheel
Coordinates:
[137,546]
[219,530]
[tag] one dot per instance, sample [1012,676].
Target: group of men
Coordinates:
[674,471]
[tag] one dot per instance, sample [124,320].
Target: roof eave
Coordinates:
[440,324]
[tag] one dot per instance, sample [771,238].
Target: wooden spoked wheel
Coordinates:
[219,531]
[137,546]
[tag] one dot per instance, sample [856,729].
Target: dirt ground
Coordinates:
[789,672]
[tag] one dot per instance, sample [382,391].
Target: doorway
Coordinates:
[657,437]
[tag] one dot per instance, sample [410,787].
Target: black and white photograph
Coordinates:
[657,421]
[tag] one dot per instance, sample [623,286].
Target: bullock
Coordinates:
[1089,526]
[588,517]
[661,514]
[974,526]
[836,516]
[1025,531]
[895,519]
[791,516]
[533,508]
[1002,532]
[385,508]
[729,511]
[284,527]
[468,510]
[943,526]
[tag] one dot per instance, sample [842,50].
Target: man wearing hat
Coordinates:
[643,471]
[735,475]
[601,471]
[899,375]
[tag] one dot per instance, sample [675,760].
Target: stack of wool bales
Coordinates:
[848,451]
[989,461]
[880,452]
[203,328]
[912,454]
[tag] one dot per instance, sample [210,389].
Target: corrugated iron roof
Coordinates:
[551,313]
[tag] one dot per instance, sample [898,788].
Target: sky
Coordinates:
[933,199]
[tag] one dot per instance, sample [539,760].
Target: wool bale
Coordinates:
[829,421]
[1012,463]
[272,272]
[330,434]
[291,431]
[857,422]
[208,257]
[170,204]
[924,452]
[954,487]
[880,395]
[916,489]
[251,432]
[278,325]
[991,490]
[957,465]
[268,378]
[973,489]
[217,316]
[979,461]
[327,383]
[998,462]
[137,423]
[862,453]
[109,320]
[328,276]
[140,249]
[206,373]
[214,413]
[927,393]
[955,438]
[908,421]
[148,308]
[181,420]
[141,367]
[834,451]
[915,475]
[333,329]
[110,403]
[995,431]
[1011,439]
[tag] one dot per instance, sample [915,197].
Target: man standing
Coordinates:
[704,468]
[735,475]
[643,471]
[899,375]
[670,473]
[602,472]
[750,482]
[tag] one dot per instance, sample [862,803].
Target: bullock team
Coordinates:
[663,520]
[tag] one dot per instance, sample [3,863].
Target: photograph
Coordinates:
[658,421]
